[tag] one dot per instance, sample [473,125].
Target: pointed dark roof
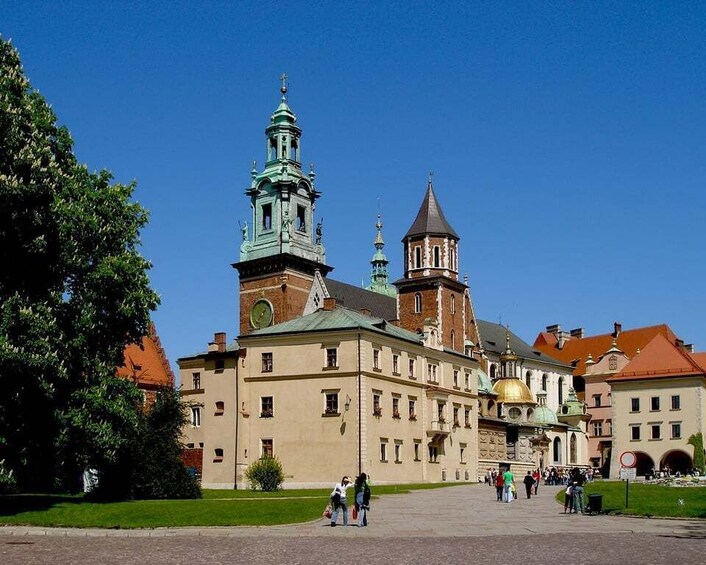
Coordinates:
[430,219]
[357,298]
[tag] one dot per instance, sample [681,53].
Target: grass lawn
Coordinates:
[648,500]
[216,508]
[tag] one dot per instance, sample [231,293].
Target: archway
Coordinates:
[645,464]
[556,455]
[676,461]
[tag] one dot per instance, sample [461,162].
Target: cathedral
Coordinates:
[399,379]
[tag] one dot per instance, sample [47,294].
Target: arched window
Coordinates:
[560,390]
[492,372]
[545,378]
[437,261]
[452,259]
[453,304]
[417,303]
[572,449]
[417,257]
[453,340]
[528,379]
[557,450]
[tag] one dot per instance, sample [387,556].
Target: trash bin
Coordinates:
[595,503]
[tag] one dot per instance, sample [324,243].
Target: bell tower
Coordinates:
[281,247]
[430,291]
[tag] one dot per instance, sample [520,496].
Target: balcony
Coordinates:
[438,429]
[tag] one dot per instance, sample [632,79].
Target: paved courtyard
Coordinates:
[451,525]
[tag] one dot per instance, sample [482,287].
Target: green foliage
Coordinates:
[7,480]
[73,294]
[265,474]
[697,441]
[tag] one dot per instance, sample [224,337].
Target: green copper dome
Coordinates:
[573,406]
[484,384]
[543,414]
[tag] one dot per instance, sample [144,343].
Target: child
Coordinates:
[569,498]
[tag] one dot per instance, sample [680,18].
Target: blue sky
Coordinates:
[567,141]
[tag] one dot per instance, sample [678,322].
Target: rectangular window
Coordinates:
[411,369]
[635,433]
[195,416]
[455,378]
[467,417]
[676,402]
[196,380]
[609,427]
[654,403]
[440,412]
[412,409]
[220,408]
[395,364]
[467,381]
[376,359]
[398,452]
[457,423]
[220,365]
[597,400]
[331,357]
[431,372]
[267,406]
[655,431]
[417,445]
[377,409]
[598,428]
[218,455]
[383,451]
[267,448]
[634,405]
[267,362]
[331,403]
[462,454]
[433,453]
[676,431]
[301,218]
[267,216]
[396,408]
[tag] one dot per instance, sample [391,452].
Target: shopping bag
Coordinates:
[354,512]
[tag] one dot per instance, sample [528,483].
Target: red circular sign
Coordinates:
[628,459]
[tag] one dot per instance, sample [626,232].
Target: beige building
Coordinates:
[658,402]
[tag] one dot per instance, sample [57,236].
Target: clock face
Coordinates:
[261,314]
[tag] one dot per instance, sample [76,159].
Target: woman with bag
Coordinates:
[362,499]
[338,498]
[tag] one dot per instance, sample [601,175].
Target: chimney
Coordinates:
[689,348]
[562,338]
[679,343]
[555,329]
[577,333]
[617,328]
[329,304]
[219,338]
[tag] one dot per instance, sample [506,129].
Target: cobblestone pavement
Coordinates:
[450,525]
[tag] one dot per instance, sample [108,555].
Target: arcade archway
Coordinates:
[645,464]
[676,461]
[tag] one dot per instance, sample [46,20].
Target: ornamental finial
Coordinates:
[283,88]
[431,177]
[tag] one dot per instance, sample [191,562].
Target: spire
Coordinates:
[379,278]
[430,218]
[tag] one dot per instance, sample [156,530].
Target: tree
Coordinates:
[74,292]
[697,441]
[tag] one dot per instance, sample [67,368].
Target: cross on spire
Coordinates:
[283,88]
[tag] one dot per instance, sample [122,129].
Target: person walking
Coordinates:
[499,482]
[338,498]
[578,495]
[362,498]
[508,483]
[569,498]
[537,477]
[529,483]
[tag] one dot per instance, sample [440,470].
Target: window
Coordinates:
[431,372]
[596,400]
[331,403]
[635,432]
[396,407]
[331,357]
[453,303]
[196,380]
[467,381]
[433,453]
[398,452]
[467,417]
[440,412]
[452,259]
[514,413]
[395,364]
[417,443]
[598,428]
[383,451]
[609,427]
[545,378]
[654,404]
[462,454]
[528,379]
[455,378]
[417,303]
[376,359]
[676,431]
[218,455]
[634,405]
[655,430]
[412,409]
[220,365]
[267,362]
[267,216]
[417,257]
[267,448]
[560,390]
[301,218]
[220,408]
[676,402]
[377,409]
[195,416]
[437,261]
[411,369]
[267,407]
[453,340]
[457,422]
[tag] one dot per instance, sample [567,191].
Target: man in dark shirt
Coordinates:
[529,483]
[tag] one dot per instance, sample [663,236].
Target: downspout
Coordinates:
[360,416]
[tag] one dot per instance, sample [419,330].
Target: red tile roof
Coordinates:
[147,365]
[576,350]
[660,359]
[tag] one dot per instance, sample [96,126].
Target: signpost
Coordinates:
[628,460]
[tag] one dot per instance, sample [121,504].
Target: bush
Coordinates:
[265,474]
[8,485]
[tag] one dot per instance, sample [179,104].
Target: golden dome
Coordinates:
[513,391]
